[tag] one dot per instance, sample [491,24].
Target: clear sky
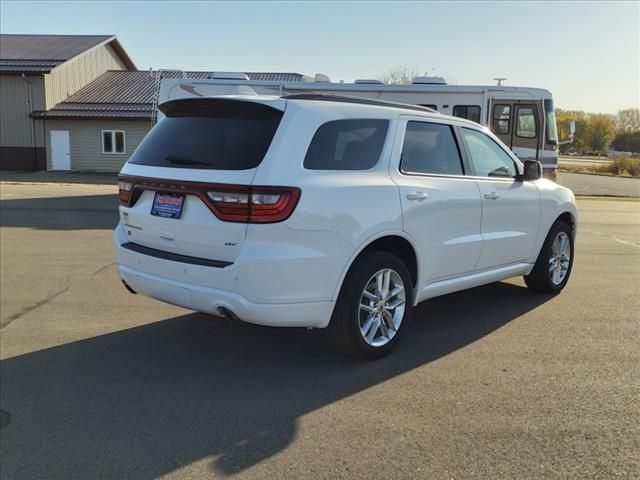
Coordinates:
[586,53]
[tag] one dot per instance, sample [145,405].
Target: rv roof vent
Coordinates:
[429,80]
[368,81]
[321,77]
[228,76]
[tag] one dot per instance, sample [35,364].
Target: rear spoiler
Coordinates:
[184,88]
[224,106]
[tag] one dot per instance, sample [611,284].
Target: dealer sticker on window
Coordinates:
[167,205]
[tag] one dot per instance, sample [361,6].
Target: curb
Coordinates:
[609,198]
[610,175]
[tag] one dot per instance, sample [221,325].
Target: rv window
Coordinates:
[347,145]
[432,107]
[470,112]
[526,123]
[501,119]
[430,148]
[552,131]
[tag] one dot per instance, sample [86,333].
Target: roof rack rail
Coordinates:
[361,101]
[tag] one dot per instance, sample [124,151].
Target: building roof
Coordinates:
[38,54]
[122,94]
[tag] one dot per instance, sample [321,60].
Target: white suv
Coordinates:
[319,211]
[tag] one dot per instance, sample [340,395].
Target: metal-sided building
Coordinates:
[37,72]
[77,102]
[100,126]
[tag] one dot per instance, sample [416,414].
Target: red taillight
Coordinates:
[230,203]
[124,192]
[253,204]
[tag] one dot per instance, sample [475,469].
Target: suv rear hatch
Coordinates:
[187,189]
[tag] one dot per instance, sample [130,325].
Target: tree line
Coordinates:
[599,132]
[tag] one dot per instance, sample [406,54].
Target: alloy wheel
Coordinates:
[382,306]
[560,258]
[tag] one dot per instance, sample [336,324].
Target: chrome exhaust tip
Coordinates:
[228,314]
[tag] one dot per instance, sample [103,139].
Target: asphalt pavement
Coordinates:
[495,382]
[600,185]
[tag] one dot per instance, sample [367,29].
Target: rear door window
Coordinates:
[430,148]
[354,144]
[209,134]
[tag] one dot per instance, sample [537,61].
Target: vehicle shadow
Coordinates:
[81,212]
[142,402]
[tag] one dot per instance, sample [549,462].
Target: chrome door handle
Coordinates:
[492,196]
[417,196]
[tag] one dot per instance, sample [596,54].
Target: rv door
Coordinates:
[519,124]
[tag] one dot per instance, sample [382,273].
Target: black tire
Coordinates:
[344,328]
[541,279]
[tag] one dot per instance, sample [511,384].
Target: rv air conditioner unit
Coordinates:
[429,81]
[228,76]
[366,81]
[321,77]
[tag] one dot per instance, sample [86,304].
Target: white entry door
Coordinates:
[60,150]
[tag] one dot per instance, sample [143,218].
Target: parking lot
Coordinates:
[495,382]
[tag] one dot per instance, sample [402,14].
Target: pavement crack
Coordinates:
[104,267]
[39,304]
[32,307]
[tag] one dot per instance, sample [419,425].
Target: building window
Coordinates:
[113,141]
[501,119]
[470,112]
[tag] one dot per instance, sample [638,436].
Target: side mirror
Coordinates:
[572,128]
[532,170]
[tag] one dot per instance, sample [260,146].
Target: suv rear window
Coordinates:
[347,145]
[216,134]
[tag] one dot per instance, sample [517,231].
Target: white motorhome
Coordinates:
[522,117]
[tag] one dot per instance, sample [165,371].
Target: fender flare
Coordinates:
[365,244]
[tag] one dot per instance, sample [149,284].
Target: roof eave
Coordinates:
[27,73]
[51,115]
[122,53]
[117,47]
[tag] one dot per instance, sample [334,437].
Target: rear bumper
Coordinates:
[210,300]
[263,289]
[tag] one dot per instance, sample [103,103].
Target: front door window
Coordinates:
[487,157]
